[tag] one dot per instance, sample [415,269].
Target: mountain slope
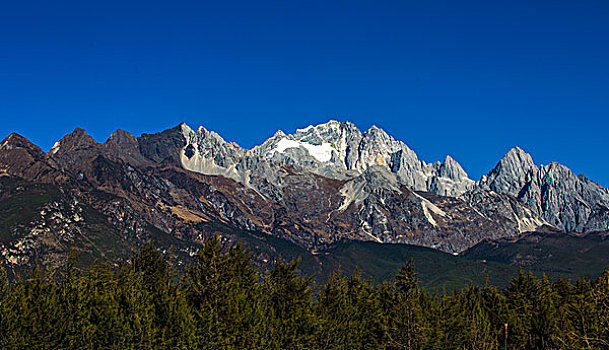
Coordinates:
[315,188]
[554,253]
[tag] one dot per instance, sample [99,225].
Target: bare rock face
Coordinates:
[553,191]
[451,180]
[19,157]
[337,150]
[511,174]
[207,153]
[163,147]
[123,145]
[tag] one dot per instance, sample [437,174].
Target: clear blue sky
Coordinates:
[467,78]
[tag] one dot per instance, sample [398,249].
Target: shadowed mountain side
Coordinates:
[554,253]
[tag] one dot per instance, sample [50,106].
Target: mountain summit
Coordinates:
[336,150]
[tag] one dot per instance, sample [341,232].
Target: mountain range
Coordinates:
[315,188]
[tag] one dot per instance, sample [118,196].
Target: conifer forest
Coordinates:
[221,301]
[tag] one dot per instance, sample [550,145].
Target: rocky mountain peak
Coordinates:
[556,166]
[206,152]
[120,137]
[14,140]
[377,133]
[164,146]
[335,149]
[211,138]
[279,133]
[447,178]
[588,181]
[20,157]
[124,146]
[511,173]
[558,176]
[453,170]
[76,140]
[517,158]
[330,124]
[315,186]
[552,191]
[377,145]
[333,132]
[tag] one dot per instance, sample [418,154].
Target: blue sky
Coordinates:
[469,79]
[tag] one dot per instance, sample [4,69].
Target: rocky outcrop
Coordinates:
[450,180]
[511,174]
[553,191]
[19,157]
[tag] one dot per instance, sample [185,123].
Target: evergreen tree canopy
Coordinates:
[220,301]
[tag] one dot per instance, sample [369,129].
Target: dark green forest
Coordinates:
[220,301]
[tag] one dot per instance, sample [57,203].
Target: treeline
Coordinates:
[221,301]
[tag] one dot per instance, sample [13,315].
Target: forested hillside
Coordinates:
[220,301]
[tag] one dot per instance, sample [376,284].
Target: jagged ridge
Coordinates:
[315,187]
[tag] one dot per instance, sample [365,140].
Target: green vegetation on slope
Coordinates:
[436,269]
[559,254]
[58,231]
[21,203]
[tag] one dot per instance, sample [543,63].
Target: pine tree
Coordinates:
[545,316]
[221,287]
[7,312]
[521,294]
[156,276]
[469,320]
[536,306]
[406,320]
[601,301]
[288,306]
[349,314]
[103,304]
[136,306]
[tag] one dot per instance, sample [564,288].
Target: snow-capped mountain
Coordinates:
[314,187]
[336,150]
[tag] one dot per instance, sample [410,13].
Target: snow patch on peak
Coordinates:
[322,153]
[55,148]
[305,129]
